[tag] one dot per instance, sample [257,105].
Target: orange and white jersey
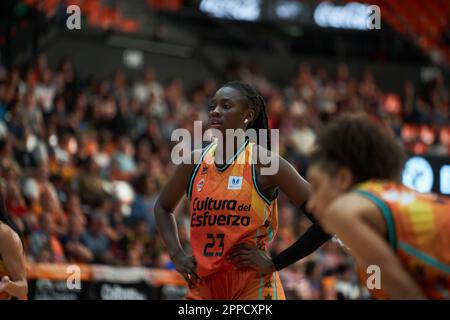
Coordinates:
[418,228]
[227,208]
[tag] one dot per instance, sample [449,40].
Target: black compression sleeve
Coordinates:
[309,241]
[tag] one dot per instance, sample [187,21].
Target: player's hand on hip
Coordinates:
[4,283]
[246,255]
[186,266]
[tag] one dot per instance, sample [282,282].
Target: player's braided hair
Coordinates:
[257,103]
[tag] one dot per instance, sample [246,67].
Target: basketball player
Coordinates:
[13,283]
[230,204]
[355,175]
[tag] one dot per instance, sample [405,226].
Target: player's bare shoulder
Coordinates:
[263,158]
[196,156]
[352,205]
[190,161]
[8,238]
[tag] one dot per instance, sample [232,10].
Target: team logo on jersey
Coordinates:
[200,185]
[235,183]
[405,198]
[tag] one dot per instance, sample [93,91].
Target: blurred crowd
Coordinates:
[82,161]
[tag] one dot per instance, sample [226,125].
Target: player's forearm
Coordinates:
[406,293]
[168,230]
[399,285]
[18,289]
[309,242]
[395,281]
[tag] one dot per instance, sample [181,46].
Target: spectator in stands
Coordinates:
[45,91]
[92,188]
[97,241]
[44,244]
[144,202]
[149,88]
[123,164]
[75,250]
[138,245]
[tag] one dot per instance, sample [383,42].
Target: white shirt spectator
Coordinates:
[45,94]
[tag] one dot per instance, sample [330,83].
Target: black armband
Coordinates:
[310,241]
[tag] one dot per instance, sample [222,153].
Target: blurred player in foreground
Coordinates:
[357,196]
